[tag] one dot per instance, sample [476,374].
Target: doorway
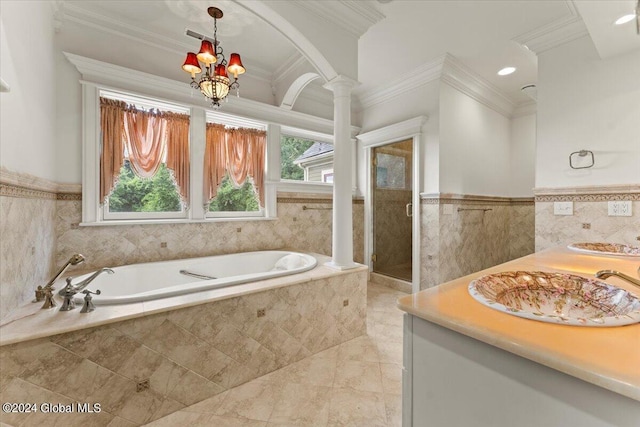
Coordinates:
[392,209]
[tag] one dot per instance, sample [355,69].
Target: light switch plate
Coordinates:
[563,208]
[620,208]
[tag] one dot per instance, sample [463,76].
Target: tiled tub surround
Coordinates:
[304,230]
[456,243]
[590,221]
[187,354]
[27,230]
[40,231]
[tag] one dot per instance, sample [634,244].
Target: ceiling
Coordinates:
[484,35]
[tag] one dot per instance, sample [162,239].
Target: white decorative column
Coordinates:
[342,237]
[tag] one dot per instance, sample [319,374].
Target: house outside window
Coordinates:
[317,162]
[306,160]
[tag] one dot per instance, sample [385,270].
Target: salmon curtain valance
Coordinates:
[149,137]
[238,153]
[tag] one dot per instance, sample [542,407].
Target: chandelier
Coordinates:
[214,83]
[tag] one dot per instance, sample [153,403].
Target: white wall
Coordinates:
[474,146]
[588,103]
[68,157]
[522,156]
[27,112]
[420,101]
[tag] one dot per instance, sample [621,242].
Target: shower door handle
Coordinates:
[409,208]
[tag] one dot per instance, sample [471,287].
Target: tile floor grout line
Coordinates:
[384,297]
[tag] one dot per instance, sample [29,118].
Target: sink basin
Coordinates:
[605,249]
[557,298]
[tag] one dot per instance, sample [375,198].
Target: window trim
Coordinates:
[93,213]
[230,120]
[146,102]
[274,117]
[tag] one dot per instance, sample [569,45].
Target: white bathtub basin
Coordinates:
[154,280]
[605,249]
[557,298]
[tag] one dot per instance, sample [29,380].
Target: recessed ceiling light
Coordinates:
[626,18]
[506,71]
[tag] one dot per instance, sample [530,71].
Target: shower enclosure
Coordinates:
[392,209]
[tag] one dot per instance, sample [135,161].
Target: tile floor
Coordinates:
[357,383]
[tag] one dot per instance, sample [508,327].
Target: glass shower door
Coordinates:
[392,209]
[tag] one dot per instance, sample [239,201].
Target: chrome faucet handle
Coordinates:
[67,293]
[39,294]
[47,293]
[88,306]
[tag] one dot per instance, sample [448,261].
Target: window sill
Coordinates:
[172,221]
[290,186]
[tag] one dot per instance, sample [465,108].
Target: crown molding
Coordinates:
[110,76]
[79,15]
[464,79]
[355,17]
[555,33]
[66,11]
[426,73]
[449,70]
[525,109]
[392,132]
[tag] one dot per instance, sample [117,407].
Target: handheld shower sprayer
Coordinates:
[46,292]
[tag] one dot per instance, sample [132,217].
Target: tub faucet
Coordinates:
[46,292]
[603,274]
[68,292]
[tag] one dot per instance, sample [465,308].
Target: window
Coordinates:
[304,159]
[135,173]
[291,148]
[144,158]
[234,167]
[327,176]
[135,194]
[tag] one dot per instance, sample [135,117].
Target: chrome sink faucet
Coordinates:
[46,293]
[603,274]
[69,291]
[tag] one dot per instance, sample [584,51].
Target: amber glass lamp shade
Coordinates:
[191,65]
[207,53]
[235,65]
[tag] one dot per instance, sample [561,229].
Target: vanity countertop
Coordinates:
[605,356]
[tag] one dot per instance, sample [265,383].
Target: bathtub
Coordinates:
[154,280]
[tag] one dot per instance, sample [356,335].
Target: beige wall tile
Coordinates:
[553,230]
[27,249]
[186,362]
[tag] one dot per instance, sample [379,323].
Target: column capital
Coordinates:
[341,83]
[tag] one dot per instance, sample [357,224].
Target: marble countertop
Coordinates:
[608,357]
[30,322]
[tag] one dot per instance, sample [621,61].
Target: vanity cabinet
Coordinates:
[466,364]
